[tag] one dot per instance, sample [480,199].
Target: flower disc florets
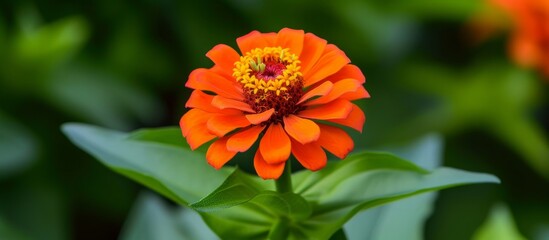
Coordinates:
[270,78]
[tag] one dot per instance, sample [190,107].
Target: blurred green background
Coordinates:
[124,64]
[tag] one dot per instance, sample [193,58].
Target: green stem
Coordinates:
[280,230]
[284,182]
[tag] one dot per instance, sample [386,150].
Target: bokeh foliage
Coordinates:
[123,64]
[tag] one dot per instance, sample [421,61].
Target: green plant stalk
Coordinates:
[280,230]
[284,182]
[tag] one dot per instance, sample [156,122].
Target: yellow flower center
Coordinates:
[267,69]
[270,78]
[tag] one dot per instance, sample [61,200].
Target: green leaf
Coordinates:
[247,203]
[499,225]
[244,206]
[176,172]
[237,189]
[335,194]
[166,135]
[407,215]
[289,205]
[367,180]
[313,184]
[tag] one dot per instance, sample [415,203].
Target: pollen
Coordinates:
[270,78]
[267,69]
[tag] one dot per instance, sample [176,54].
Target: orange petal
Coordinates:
[270,38]
[223,124]
[218,154]
[227,103]
[203,101]
[320,90]
[204,79]
[292,39]
[193,127]
[198,136]
[355,119]
[260,117]
[331,61]
[222,72]
[275,145]
[313,47]
[360,93]
[243,140]
[192,118]
[340,88]
[224,58]
[337,109]
[335,140]
[301,129]
[348,71]
[266,170]
[251,41]
[310,155]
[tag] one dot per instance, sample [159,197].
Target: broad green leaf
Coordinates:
[288,205]
[381,178]
[311,185]
[260,217]
[151,218]
[266,213]
[499,225]
[176,172]
[245,206]
[166,135]
[407,215]
[237,189]
[248,194]
[362,181]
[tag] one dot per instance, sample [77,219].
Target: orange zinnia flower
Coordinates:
[278,88]
[529,44]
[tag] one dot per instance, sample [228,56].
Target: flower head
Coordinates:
[277,90]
